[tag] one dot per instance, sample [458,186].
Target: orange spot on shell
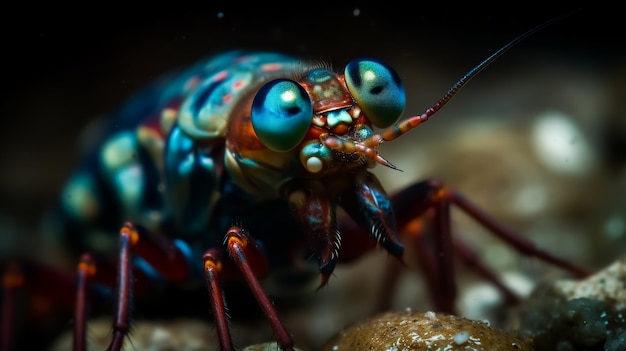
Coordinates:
[271,67]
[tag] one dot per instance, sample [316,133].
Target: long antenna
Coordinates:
[396,130]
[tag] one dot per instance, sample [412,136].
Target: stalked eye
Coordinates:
[377,89]
[281,114]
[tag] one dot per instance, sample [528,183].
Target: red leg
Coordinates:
[241,248]
[121,322]
[432,195]
[86,271]
[97,270]
[34,281]
[432,200]
[445,289]
[415,236]
[212,268]
[11,281]
[71,290]
[168,260]
[251,263]
[516,241]
[160,253]
[165,257]
[470,259]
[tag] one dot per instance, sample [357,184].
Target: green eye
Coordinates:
[281,114]
[377,89]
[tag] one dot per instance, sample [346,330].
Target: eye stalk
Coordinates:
[377,89]
[281,114]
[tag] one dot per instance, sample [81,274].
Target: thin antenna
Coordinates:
[393,132]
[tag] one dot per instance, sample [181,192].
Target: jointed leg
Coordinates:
[251,262]
[431,198]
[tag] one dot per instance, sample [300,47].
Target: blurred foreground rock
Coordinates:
[412,331]
[589,314]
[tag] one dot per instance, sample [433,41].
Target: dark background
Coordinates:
[65,66]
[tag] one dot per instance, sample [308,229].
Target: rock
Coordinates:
[268,346]
[179,335]
[588,314]
[412,331]
[170,335]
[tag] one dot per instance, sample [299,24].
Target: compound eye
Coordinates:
[281,114]
[377,89]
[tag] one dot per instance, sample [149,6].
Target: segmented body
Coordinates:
[182,158]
